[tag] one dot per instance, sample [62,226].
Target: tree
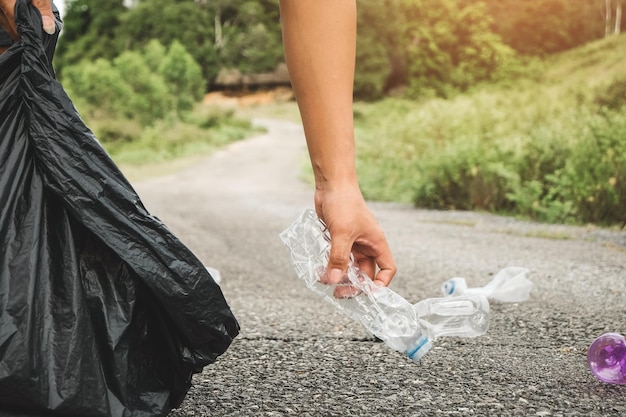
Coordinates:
[375,49]
[540,27]
[183,77]
[185,21]
[449,45]
[612,26]
[151,99]
[89,32]
[247,34]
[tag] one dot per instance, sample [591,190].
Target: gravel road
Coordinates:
[297,356]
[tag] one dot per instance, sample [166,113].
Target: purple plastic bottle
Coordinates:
[607,358]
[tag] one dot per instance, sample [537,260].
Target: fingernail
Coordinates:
[48,25]
[335,275]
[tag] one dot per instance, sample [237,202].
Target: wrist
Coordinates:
[337,182]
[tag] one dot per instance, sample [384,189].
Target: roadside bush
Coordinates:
[594,176]
[612,96]
[182,76]
[469,174]
[173,138]
[151,99]
[146,87]
[97,89]
[552,177]
[534,152]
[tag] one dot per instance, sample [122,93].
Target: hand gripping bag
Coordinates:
[103,311]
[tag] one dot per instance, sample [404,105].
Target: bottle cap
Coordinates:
[454,286]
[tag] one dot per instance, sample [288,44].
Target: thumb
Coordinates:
[47,18]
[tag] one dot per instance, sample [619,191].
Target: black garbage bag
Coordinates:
[103,311]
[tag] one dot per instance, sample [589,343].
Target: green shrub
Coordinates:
[594,177]
[537,152]
[612,96]
[468,174]
[98,89]
[146,86]
[182,76]
[151,99]
[115,131]
[450,46]
[172,138]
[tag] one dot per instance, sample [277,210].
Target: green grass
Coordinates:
[169,144]
[551,147]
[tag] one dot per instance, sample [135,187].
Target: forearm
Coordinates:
[319,38]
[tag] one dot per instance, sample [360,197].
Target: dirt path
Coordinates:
[297,356]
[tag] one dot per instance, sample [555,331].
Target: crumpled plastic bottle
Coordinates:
[510,285]
[401,325]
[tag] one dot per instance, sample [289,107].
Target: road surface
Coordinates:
[297,356]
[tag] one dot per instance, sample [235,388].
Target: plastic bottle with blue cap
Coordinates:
[510,285]
[405,327]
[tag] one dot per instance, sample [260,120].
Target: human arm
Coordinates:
[7,17]
[319,38]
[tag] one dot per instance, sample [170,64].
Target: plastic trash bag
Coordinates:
[103,311]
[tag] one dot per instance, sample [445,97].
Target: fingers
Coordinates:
[339,258]
[381,259]
[384,276]
[7,18]
[387,268]
[47,18]
[346,291]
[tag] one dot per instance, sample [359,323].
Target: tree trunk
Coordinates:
[618,17]
[219,40]
[607,18]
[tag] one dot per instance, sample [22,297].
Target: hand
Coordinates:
[353,230]
[7,16]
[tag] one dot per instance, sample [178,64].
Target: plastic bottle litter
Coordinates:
[607,358]
[510,285]
[215,273]
[401,325]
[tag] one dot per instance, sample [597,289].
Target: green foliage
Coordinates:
[593,179]
[585,181]
[167,21]
[540,149]
[182,76]
[475,175]
[249,35]
[170,139]
[541,27]
[450,46]
[151,99]
[217,34]
[374,57]
[131,87]
[98,89]
[612,96]
[89,32]
[435,47]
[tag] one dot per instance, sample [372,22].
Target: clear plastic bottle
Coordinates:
[401,325]
[510,285]
[607,358]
